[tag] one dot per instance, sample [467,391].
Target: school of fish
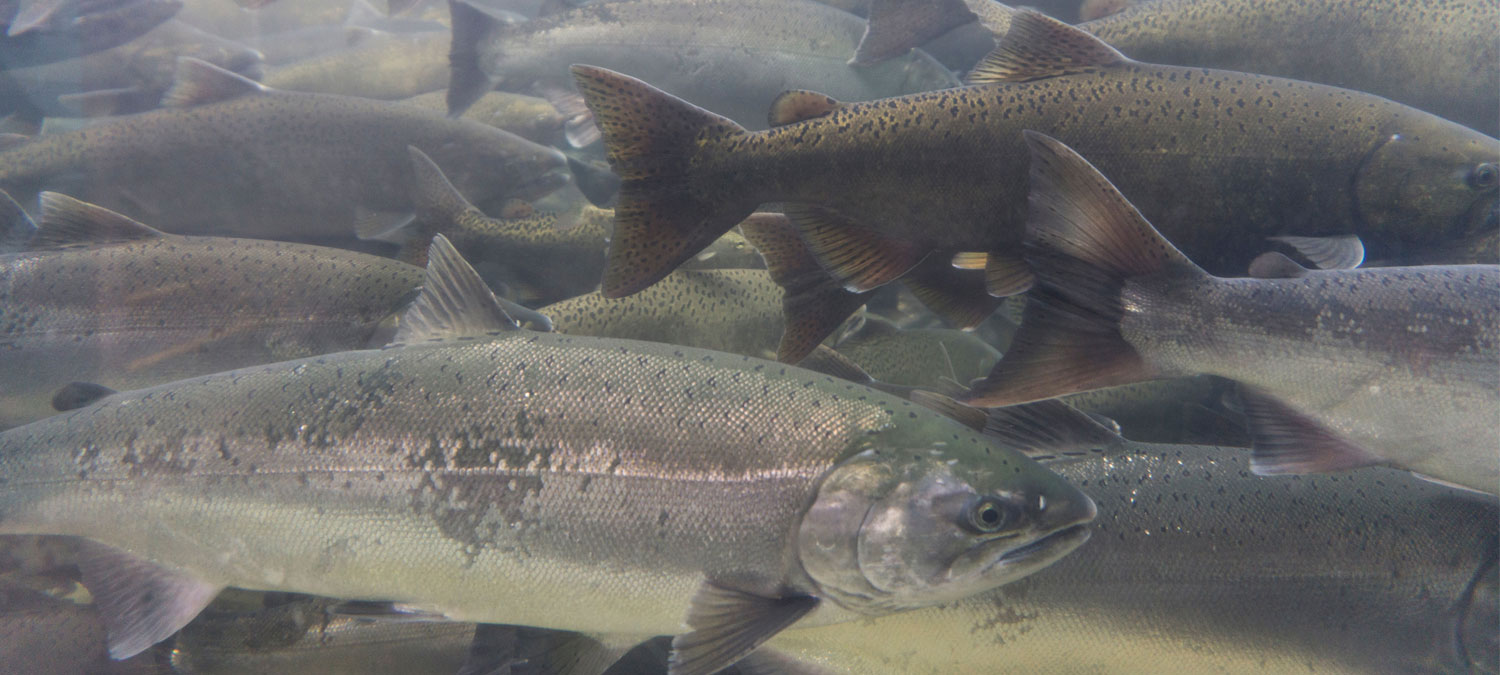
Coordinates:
[774,337]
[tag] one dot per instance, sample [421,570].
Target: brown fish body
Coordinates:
[890,181]
[272,164]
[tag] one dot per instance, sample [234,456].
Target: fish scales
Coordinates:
[476,473]
[138,313]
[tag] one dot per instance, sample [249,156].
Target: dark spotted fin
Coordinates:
[895,27]
[1340,252]
[199,82]
[1051,429]
[75,395]
[1084,241]
[1286,441]
[958,296]
[798,105]
[66,221]
[814,304]
[1273,265]
[454,301]
[727,624]
[467,81]
[16,228]
[1037,47]
[861,258]
[668,210]
[140,602]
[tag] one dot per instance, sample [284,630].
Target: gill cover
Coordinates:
[1417,190]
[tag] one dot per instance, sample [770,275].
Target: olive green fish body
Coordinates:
[134,314]
[887,182]
[736,311]
[538,479]
[733,55]
[385,66]
[1201,567]
[919,357]
[272,164]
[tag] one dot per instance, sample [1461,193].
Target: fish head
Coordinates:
[898,529]
[1429,186]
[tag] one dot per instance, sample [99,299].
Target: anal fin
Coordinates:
[956,295]
[1007,274]
[140,602]
[728,624]
[813,303]
[1286,441]
[860,258]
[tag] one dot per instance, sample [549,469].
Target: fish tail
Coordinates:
[813,303]
[1084,241]
[467,81]
[669,208]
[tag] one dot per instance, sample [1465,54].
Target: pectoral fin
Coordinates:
[140,602]
[1273,265]
[861,258]
[1342,252]
[1287,441]
[728,624]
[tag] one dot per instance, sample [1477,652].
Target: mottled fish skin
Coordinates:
[386,66]
[927,357]
[1200,566]
[302,637]
[536,479]
[140,313]
[942,171]
[736,311]
[735,55]
[525,116]
[274,164]
[1442,56]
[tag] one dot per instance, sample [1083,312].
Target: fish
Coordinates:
[307,636]
[529,117]
[127,79]
[48,635]
[1442,58]
[735,53]
[388,66]
[95,297]
[929,357]
[535,257]
[878,187]
[38,32]
[229,157]
[481,473]
[1336,369]
[1198,566]
[236,23]
[1181,410]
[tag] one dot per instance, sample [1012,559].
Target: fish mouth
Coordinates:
[1051,547]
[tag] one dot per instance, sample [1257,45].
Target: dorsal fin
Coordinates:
[67,221]
[1038,47]
[797,105]
[454,301]
[199,82]
[16,228]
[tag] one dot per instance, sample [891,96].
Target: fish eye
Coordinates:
[988,515]
[1484,176]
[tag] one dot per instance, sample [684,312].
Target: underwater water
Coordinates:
[759,336]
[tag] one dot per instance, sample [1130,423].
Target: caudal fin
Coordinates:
[1084,241]
[669,209]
